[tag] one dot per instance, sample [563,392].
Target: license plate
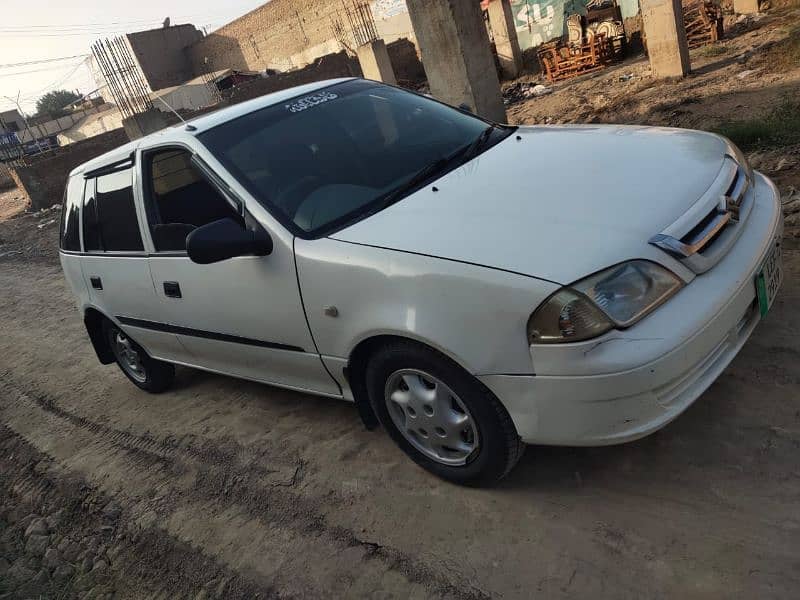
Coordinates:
[769,279]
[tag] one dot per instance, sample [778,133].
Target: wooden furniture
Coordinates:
[559,62]
[703,21]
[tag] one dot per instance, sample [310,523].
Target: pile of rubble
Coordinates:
[519,91]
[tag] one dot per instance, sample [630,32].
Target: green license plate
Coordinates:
[769,279]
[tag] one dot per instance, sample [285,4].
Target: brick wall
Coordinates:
[43,179]
[327,67]
[405,62]
[284,35]
[276,30]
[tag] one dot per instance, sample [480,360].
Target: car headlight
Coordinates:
[617,297]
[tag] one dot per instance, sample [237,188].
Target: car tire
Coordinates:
[145,372]
[422,399]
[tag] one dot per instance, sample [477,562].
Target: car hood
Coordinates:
[554,202]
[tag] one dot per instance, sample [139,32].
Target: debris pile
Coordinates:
[522,91]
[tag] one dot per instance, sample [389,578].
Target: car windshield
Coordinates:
[325,159]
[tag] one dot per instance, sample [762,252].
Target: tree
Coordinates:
[52,103]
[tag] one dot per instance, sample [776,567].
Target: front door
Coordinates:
[242,316]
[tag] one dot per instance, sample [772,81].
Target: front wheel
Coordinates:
[147,373]
[441,416]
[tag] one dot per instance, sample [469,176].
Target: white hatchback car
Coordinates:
[470,286]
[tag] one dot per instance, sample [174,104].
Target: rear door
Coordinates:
[114,262]
[242,316]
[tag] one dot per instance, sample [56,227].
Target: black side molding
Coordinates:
[209,335]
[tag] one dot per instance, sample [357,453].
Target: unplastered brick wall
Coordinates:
[43,179]
[327,67]
[267,36]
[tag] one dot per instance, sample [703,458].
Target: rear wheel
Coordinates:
[147,373]
[441,416]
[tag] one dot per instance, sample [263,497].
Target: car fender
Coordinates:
[473,314]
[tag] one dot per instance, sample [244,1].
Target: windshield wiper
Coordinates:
[464,154]
[419,177]
[475,147]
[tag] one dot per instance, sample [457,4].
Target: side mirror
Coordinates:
[464,107]
[226,239]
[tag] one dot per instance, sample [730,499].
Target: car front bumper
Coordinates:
[628,384]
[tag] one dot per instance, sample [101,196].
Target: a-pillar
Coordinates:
[745,7]
[501,18]
[458,62]
[375,63]
[667,47]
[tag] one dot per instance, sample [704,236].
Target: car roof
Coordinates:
[206,122]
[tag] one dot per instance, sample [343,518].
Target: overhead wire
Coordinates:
[87,29]
[41,61]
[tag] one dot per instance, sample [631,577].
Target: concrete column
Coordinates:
[666,38]
[501,18]
[454,44]
[375,63]
[745,7]
[144,123]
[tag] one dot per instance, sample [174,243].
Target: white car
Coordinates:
[470,286]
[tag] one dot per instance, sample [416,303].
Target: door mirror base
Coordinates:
[224,239]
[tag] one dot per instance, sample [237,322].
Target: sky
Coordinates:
[33,31]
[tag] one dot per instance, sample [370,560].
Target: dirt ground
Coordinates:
[229,489]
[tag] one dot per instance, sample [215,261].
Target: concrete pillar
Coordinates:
[745,7]
[375,63]
[501,18]
[145,123]
[454,44]
[666,38]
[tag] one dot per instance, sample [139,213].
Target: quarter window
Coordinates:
[91,232]
[70,214]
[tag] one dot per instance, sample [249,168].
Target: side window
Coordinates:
[116,212]
[70,214]
[109,214]
[179,199]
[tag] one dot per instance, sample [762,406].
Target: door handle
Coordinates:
[172,289]
[96,282]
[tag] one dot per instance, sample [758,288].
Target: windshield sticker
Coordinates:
[311,101]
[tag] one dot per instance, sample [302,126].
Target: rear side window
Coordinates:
[70,214]
[110,222]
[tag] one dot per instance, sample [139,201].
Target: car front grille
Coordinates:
[720,214]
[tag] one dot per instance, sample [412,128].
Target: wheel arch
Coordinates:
[358,358]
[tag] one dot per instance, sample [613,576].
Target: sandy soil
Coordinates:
[12,203]
[228,489]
